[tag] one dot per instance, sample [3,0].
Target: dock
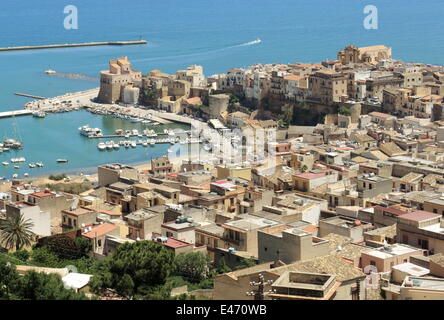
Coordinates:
[73,45]
[29,96]
[15,113]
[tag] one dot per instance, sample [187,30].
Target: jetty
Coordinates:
[73,45]
[29,96]
[15,113]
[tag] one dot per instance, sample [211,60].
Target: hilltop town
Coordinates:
[339,195]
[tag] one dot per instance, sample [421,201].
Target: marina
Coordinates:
[57,137]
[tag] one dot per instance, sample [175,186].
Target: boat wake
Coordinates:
[250,43]
[246,44]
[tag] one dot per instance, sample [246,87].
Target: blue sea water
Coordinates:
[215,34]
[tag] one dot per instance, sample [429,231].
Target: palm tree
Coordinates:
[16,232]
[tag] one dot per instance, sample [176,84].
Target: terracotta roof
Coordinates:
[42,194]
[108,212]
[99,230]
[310,175]
[419,215]
[175,243]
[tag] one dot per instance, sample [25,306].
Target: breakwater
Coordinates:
[71,45]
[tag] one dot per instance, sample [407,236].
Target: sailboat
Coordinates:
[15,142]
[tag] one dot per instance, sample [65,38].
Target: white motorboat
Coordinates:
[5,163]
[101,146]
[169,150]
[16,167]
[90,132]
[15,176]
[39,164]
[109,145]
[39,114]
[133,144]
[116,146]
[31,165]
[145,144]
[26,174]
[62,160]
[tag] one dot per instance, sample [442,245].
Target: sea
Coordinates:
[218,35]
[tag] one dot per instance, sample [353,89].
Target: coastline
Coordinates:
[92,175]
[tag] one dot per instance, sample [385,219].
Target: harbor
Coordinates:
[73,45]
[56,137]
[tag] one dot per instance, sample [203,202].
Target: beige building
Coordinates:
[234,285]
[242,234]
[289,244]
[112,81]
[372,54]
[328,86]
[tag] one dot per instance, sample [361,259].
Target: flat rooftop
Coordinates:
[412,269]
[393,250]
[250,223]
[424,283]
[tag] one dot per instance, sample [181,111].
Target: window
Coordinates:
[435,210]
[370,186]
[354,291]
[99,242]
[372,263]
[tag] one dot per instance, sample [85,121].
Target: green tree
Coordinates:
[8,276]
[222,267]
[125,286]
[193,265]
[41,286]
[15,232]
[146,263]
[147,96]
[344,111]
[66,247]
[33,285]
[246,263]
